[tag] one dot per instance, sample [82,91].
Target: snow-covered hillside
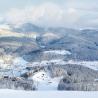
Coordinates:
[20,63]
[43,81]
[17,65]
[90,64]
[60,52]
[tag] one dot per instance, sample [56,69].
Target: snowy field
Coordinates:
[52,94]
[44,82]
[20,63]
[60,52]
[89,64]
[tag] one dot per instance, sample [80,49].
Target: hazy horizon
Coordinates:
[54,13]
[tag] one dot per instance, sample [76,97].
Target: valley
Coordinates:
[52,59]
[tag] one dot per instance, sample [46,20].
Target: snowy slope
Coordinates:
[60,52]
[53,94]
[43,81]
[89,64]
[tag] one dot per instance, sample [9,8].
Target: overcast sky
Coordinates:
[55,13]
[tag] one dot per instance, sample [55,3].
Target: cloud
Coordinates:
[4,26]
[47,14]
[1,19]
[73,15]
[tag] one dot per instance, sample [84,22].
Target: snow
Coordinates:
[60,52]
[44,82]
[18,65]
[4,66]
[51,35]
[15,67]
[89,64]
[6,93]
[16,62]
[1,61]
[19,61]
[41,76]
[42,79]
[46,62]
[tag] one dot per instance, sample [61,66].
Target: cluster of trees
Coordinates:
[17,83]
[67,84]
[79,78]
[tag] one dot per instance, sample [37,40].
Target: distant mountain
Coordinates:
[17,43]
[83,44]
[27,28]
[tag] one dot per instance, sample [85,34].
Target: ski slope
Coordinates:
[44,82]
